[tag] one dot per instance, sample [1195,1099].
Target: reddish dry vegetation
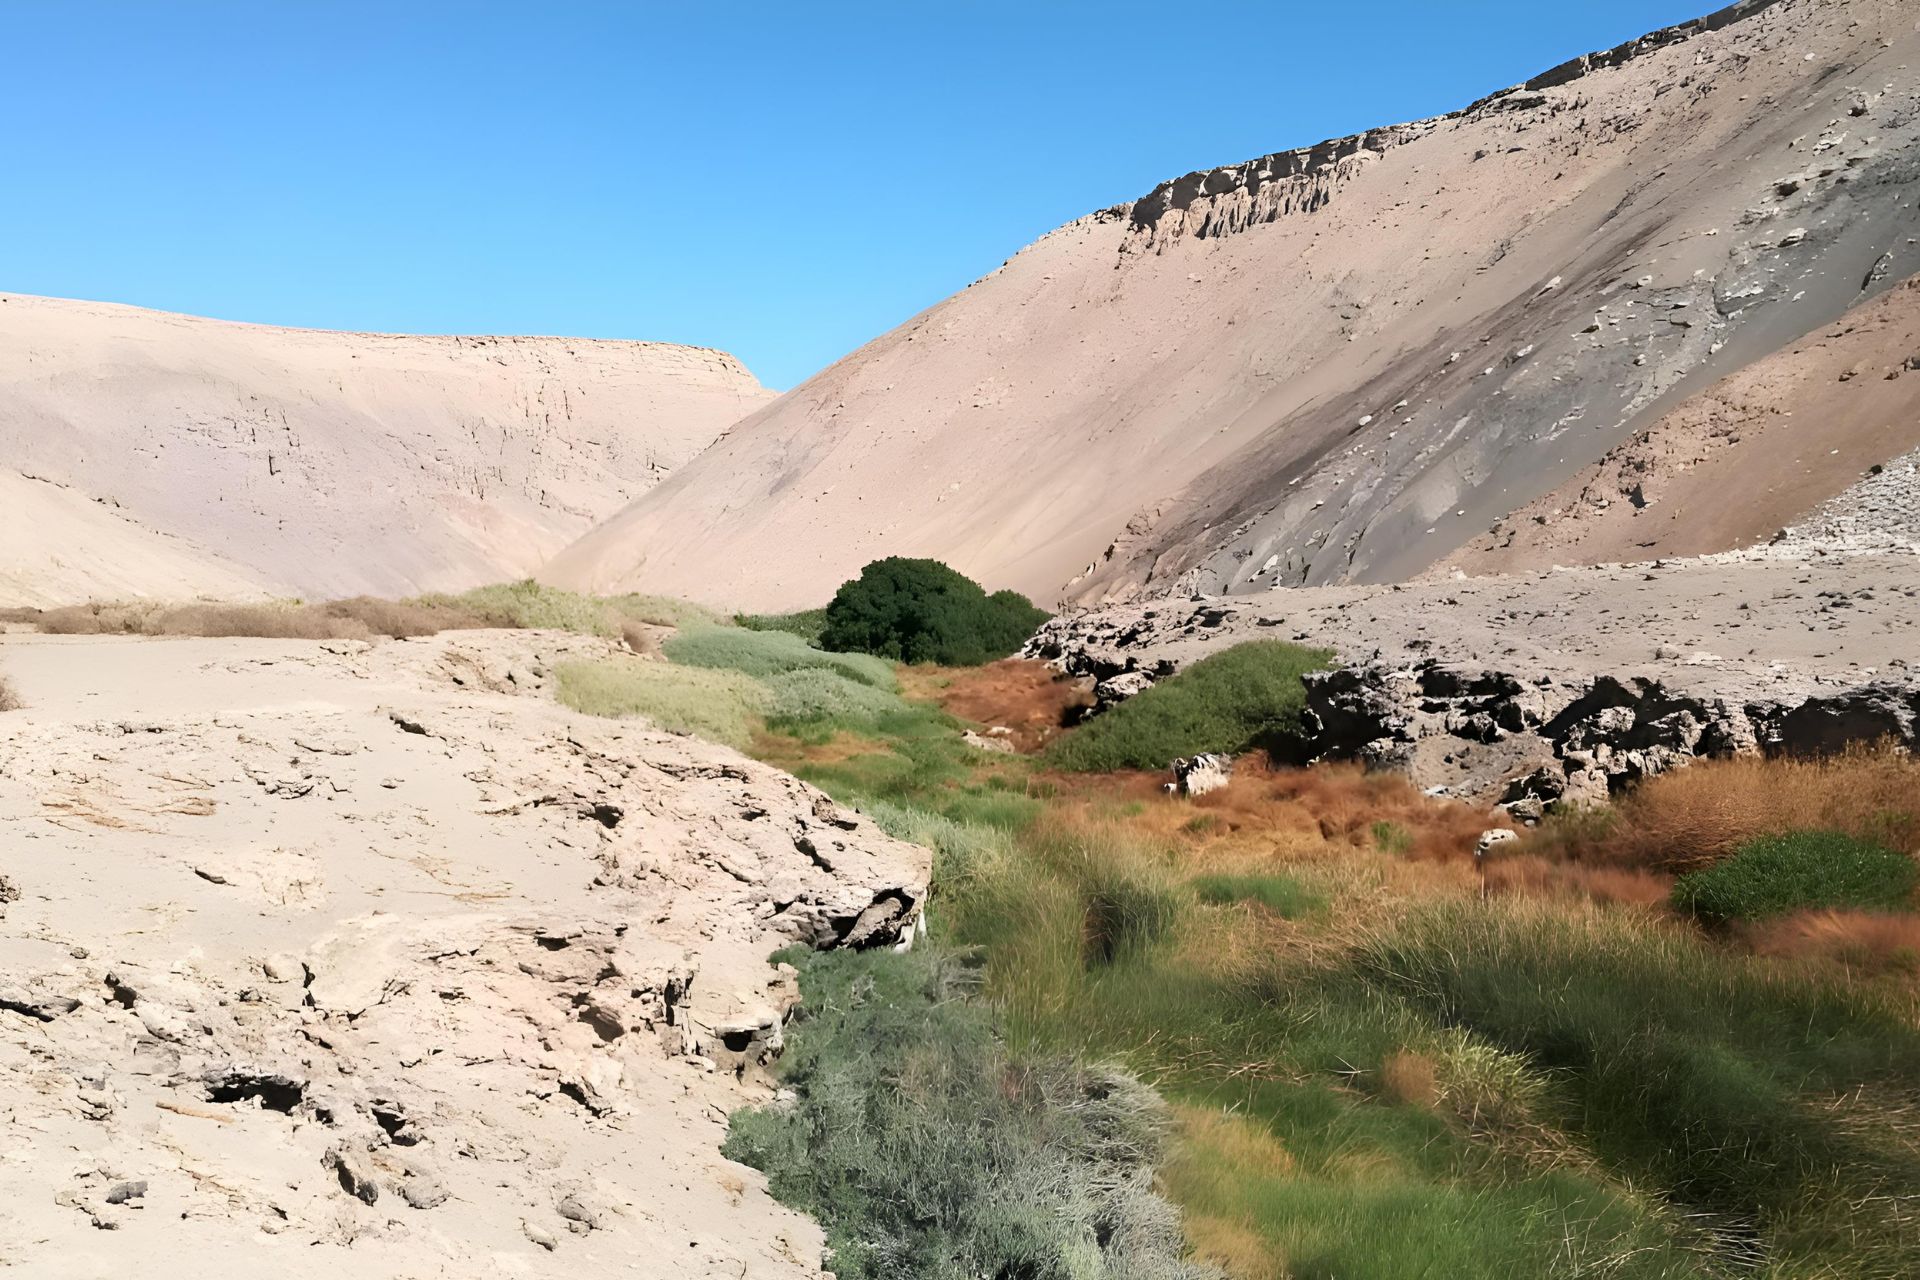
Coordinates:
[359,618]
[1538,877]
[1695,816]
[1328,803]
[1869,942]
[1030,698]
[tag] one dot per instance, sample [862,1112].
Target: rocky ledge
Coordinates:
[1533,689]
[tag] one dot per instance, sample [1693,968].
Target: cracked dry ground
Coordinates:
[335,957]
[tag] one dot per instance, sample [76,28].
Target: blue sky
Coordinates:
[784,180]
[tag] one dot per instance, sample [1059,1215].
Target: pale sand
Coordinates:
[383,877]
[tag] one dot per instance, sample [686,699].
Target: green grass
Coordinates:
[807,623]
[926,1149]
[1695,1069]
[1284,896]
[1798,871]
[1245,697]
[533,605]
[771,653]
[721,706]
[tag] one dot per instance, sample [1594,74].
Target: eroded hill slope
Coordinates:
[329,464]
[1338,363]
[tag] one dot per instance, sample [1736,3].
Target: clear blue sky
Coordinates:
[785,180]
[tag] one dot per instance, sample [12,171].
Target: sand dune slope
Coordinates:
[337,463]
[60,546]
[1339,363]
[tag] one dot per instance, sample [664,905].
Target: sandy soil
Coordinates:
[1337,364]
[334,464]
[327,958]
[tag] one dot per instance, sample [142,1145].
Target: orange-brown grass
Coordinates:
[1535,876]
[1410,1078]
[359,618]
[1695,816]
[1028,697]
[1216,1157]
[1867,942]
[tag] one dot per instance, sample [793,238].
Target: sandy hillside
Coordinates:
[57,546]
[324,959]
[1738,462]
[1338,363]
[330,464]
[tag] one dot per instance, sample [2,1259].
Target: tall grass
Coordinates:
[1797,870]
[722,706]
[1725,1083]
[772,653]
[1249,696]
[1689,818]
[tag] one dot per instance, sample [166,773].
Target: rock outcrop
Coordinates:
[321,962]
[1530,689]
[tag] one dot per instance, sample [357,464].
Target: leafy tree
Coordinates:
[923,611]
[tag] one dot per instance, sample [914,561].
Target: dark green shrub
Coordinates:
[922,611]
[1797,871]
[1248,696]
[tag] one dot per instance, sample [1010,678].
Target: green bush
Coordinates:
[922,611]
[771,653]
[720,706]
[807,623]
[1798,871]
[1248,696]
[927,1151]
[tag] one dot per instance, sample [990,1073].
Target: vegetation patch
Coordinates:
[1285,896]
[927,1149]
[721,706]
[1800,870]
[9,700]
[806,623]
[922,611]
[772,653]
[1249,696]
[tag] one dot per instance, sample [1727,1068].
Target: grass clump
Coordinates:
[1248,696]
[922,611]
[1739,1090]
[771,653]
[926,1149]
[721,706]
[9,700]
[1285,896]
[812,698]
[530,605]
[1797,871]
[807,623]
